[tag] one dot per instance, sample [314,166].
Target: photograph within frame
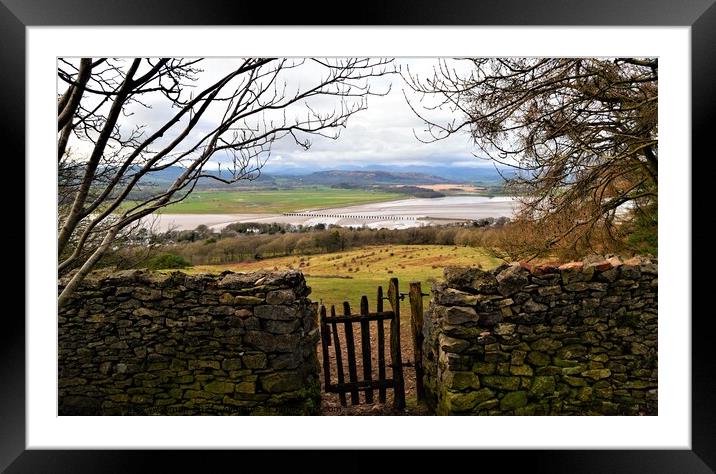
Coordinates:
[561,166]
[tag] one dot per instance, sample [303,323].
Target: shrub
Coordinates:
[643,234]
[167,260]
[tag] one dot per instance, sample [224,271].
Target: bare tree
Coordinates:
[582,134]
[107,152]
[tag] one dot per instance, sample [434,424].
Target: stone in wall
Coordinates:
[143,343]
[575,339]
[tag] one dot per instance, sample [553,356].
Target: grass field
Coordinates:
[275,201]
[346,276]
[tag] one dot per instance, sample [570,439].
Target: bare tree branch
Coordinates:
[107,157]
[580,133]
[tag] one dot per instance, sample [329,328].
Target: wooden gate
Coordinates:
[368,384]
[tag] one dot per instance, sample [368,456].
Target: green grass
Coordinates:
[369,268]
[275,201]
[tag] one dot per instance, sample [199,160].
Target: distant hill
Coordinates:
[365,178]
[445,173]
[170,174]
[486,174]
[378,175]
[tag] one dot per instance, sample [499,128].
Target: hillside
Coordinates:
[360,178]
[375,176]
[168,175]
[348,275]
[354,178]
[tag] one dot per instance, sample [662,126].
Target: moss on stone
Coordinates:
[513,400]
[501,382]
[461,380]
[524,370]
[542,386]
[484,368]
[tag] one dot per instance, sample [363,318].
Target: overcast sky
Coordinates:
[384,134]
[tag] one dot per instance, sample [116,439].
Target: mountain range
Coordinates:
[376,175]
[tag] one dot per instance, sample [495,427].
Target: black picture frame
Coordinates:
[700,15]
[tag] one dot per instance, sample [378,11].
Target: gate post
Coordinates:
[416,327]
[395,355]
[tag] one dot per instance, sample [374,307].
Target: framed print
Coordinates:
[246,205]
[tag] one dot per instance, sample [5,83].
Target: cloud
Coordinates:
[385,133]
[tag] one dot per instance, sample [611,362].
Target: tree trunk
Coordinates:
[87,267]
[64,116]
[75,214]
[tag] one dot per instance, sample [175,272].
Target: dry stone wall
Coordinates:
[139,343]
[578,339]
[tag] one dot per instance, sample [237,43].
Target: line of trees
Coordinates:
[221,248]
[242,242]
